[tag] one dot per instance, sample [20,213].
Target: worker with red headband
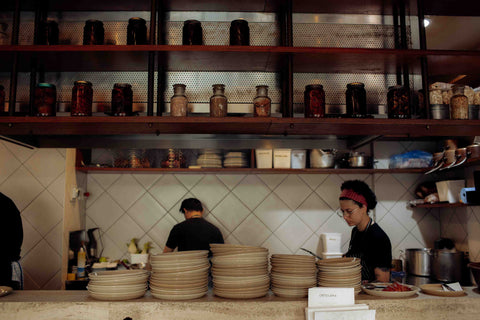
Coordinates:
[368,241]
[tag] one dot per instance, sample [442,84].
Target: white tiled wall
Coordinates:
[35,181]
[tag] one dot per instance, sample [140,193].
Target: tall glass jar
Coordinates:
[82,97]
[45,103]
[398,101]
[2,98]
[458,104]
[356,98]
[314,99]
[93,32]
[178,102]
[122,99]
[262,103]
[136,31]
[218,102]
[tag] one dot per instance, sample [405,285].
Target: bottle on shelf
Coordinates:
[192,33]
[262,103]
[458,103]
[122,100]
[218,102]
[45,102]
[314,99]
[81,261]
[178,102]
[239,33]
[356,99]
[93,32]
[136,31]
[82,97]
[398,102]
[49,33]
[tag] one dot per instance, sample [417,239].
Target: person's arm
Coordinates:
[382,274]
[172,241]
[167,249]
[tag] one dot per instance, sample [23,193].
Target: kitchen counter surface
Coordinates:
[43,305]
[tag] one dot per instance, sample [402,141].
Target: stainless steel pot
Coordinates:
[322,158]
[447,266]
[419,261]
[359,160]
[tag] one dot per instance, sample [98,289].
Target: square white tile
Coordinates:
[105,180]
[293,233]
[275,246]
[146,179]
[125,191]
[146,212]
[210,191]
[9,163]
[313,180]
[123,230]
[167,191]
[46,165]
[94,190]
[251,232]
[44,213]
[42,263]
[313,244]
[314,211]
[251,191]
[21,187]
[111,250]
[104,212]
[272,180]
[55,238]
[409,242]
[329,190]
[230,212]
[394,229]
[57,189]
[159,233]
[230,180]
[30,237]
[189,180]
[213,220]
[293,191]
[387,188]
[273,212]
[21,153]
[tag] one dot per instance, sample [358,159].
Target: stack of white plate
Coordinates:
[340,272]
[235,160]
[292,275]
[179,275]
[210,159]
[118,284]
[239,272]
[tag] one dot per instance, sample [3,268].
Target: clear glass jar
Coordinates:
[218,102]
[458,104]
[398,100]
[436,96]
[262,103]
[45,103]
[356,99]
[314,99]
[178,102]
[82,97]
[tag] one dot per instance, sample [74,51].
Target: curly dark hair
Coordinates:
[362,188]
[191,204]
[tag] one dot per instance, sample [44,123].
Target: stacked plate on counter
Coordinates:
[235,160]
[118,284]
[340,272]
[239,272]
[179,275]
[292,275]
[210,159]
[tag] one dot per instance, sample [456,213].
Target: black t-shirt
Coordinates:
[373,247]
[194,234]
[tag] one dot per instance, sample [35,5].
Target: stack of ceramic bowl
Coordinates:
[292,275]
[239,272]
[210,159]
[179,275]
[118,284]
[235,160]
[340,272]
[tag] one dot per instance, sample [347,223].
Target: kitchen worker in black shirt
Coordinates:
[11,237]
[368,241]
[195,233]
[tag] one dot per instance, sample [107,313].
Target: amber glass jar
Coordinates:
[136,31]
[314,99]
[178,102]
[45,103]
[239,33]
[192,33]
[356,99]
[262,103]
[82,98]
[218,102]
[93,32]
[458,104]
[398,100]
[122,99]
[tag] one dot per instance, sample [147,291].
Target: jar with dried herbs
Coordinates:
[262,103]
[458,104]
[178,102]
[218,102]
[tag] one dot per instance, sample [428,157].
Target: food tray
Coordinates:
[378,292]
[437,290]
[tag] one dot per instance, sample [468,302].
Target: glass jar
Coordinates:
[178,102]
[192,33]
[356,98]
[45,102]
[82,98]
[435,96]
[49,33]
[262,103]
[458,104]
[398,101]
[136,31]
[93,32]
[314,99]
[218,102]
[2,98]
[239,33]
[122,99]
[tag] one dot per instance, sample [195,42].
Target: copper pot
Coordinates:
[473,151]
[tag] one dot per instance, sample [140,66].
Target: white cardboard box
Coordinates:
[282,158]
[263,158]
[449,190]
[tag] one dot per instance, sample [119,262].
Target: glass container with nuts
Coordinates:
[459,104]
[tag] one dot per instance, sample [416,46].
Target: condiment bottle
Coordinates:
[356,98]
[218,102]
[262,103]
[81,259]
[314,99]
[459,104]
[122,99]
[82,97]
[178,102]
[45,103]
[398,101]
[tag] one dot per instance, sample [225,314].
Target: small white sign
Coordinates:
[324,296]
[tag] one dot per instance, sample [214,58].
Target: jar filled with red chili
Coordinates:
[398,100]
[122,99]
[82,97]
[45,102]
[314,99]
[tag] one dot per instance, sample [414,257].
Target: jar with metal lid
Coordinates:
[314,99]
[262,103]
[458,104]
[356,98]
[192,33]
[178,102]
[218,102]
[48,33]
[82,98]
[2,98]
[136,31]
[239,33]
[122,99]
[436,96]
[398,100]
[45,102]
[93,32]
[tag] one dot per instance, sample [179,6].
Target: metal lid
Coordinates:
[82,83]
[45,85]
[137,20]
[181,85]
[356,84]
[186,22]
[313,86]
[239,22]
[93,21]
[122,85]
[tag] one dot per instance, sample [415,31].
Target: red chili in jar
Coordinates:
[82,97]
[45,103]
[314,98]
[122,99]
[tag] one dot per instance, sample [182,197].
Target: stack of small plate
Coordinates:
[210,159]
[179,275]
[235,160]
[239,272]
[340,272]
[292,275]
[118,284]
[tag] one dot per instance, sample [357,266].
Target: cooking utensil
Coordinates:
[438,160]
[310,252]
[473,151]
[372,286]
[322,158]
[447,266]
[419,261]
[359,160]
[461,156]
[449,159]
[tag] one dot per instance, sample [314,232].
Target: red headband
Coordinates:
[350,194]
